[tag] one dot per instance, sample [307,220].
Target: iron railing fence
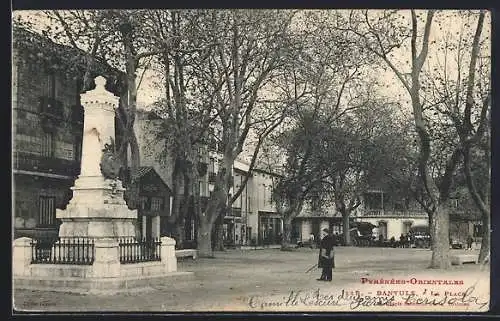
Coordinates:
[78,251]
[134,250]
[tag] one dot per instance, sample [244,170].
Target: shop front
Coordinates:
[270,228]
[304,227]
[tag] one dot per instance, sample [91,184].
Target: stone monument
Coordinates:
[98,214]
[97,209]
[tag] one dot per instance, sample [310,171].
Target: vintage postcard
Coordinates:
[267,160]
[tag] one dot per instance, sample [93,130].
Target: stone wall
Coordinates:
[30,82]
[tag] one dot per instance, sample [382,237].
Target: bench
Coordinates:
[187,253]
[459,259]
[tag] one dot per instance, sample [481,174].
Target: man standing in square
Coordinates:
[326,256]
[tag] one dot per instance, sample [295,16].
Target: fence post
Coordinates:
[21,257]
[107,258]
[168,258]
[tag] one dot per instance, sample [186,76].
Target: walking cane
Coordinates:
[311,268]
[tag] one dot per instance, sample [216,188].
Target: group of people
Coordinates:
[405,240]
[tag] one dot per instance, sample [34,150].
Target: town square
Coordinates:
[242,280]
[180,160]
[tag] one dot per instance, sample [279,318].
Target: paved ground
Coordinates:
[250,280]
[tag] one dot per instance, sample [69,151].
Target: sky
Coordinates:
[148,92]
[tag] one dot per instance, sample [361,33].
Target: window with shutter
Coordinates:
[143,201]
[47,211]
[156,203]
[47,147]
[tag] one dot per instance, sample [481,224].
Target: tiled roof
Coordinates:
[142,171]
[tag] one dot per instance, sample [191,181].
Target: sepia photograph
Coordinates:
[251,160]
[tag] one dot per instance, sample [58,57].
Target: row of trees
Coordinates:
[449,103]
[214,65]
[336,161]
[306,82]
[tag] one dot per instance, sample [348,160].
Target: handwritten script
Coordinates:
[357,300]
[448,298]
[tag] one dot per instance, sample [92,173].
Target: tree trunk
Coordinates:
[206,224]
[227,181]
[134,167]
[135,160]
[345,228]
[219,234]
[286,242]
[209,216]
[177,217]
[439,230]
[481,204]
[205,238]
[486,241]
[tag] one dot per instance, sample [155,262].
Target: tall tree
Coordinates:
[378,33]
[186,121]
[347,156]
[461,85]
[302,177]
[249,47]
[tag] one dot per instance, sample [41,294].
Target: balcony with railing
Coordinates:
[392,213]
[236,212]
[212,176]
[36,163]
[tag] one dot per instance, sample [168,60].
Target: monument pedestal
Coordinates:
[97,210]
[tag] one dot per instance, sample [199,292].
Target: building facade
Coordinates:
[154,203]
[47,129]
[465,220]
[392,217]
[47,132]
[155,178]
[265,222]
[311,221]
[252,220]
